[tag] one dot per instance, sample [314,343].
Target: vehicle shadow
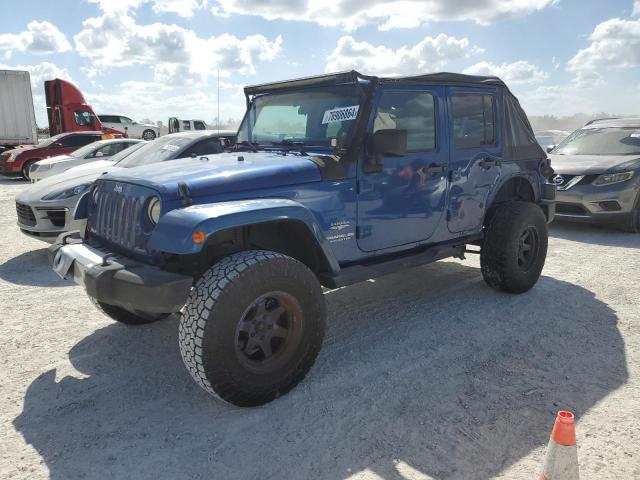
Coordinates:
[31,268]
[430,368]
[13,181]
[598,235]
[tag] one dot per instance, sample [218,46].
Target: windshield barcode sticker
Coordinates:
[340,114]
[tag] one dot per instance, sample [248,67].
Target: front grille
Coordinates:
[25,214]
[570,209]
[117,217]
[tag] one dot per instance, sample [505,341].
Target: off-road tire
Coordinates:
[149,135]
[125,316]
[632,225]
[499,256]
[26,167]
[208,325]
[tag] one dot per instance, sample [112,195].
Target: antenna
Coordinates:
[218,100]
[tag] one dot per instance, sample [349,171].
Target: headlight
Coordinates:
[611,178]
[153,210]
[70,192]
[11,157]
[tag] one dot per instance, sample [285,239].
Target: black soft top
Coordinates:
[518,139]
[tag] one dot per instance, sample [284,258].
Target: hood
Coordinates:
[63,181]
[89,167]
[223,173]
[20,149]
[56,159]
[592,164]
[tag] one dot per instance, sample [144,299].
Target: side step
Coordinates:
[391,264]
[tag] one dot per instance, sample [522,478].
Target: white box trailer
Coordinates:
[17,115]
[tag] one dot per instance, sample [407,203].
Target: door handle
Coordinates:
[433,169]
[489,162]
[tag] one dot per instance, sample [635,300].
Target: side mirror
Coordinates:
[550,147]
[56,145]
[99,154]
[389,143]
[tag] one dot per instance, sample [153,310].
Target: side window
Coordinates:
[414,112]
[83,118]
[186,125]
[204,147]
[198,125]
[109,118]
[125,121]
[473,120]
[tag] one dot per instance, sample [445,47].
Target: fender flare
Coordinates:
[175,229]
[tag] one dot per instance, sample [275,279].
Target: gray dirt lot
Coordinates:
[424,374]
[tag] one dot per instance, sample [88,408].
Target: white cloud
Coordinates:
[520,72]
[350,14]
[183,8]
[115,39]
[615,43]
[428,55]
[39,38]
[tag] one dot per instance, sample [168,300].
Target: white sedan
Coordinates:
[100,150]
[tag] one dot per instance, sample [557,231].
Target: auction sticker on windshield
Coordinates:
[340,114]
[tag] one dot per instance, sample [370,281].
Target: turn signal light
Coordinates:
[198,237]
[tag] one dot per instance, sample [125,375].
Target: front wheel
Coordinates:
[515,246]
[148,135]
[25,169]
[252,327]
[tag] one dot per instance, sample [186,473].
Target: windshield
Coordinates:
[315,117]
[601,141]
[126,152]
[48,141]
[158,150]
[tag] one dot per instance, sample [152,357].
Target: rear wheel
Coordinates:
[515,246]
[148,135]
[252,327]
[125,316]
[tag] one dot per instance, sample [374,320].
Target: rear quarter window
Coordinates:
[473,120]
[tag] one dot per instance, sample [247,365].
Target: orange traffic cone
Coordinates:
[561,462]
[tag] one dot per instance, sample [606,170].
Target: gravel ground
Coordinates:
[424,374]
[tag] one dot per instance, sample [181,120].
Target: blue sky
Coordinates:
[157,58]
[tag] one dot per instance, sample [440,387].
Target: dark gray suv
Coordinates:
[597,173]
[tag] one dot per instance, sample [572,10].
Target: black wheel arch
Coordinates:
[287,236]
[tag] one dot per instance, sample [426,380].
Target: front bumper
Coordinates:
[590,204]
[117,280]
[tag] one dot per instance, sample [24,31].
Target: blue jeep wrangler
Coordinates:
[334,179]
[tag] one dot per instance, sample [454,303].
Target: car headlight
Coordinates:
[11,158]
[611,178]
[68,193]
[153,210]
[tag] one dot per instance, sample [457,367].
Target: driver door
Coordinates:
[403,201]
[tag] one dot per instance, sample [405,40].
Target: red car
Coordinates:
[16,162]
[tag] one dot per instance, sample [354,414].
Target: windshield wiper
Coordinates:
[246,143]
[291,143]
